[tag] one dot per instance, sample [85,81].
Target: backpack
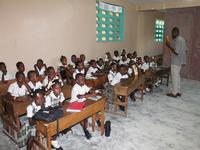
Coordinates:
[48,114]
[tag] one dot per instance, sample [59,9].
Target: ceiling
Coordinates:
[149,1]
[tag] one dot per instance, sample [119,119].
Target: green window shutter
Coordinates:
[159,30]
[109,22]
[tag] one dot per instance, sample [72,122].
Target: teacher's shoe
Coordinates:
[171,95]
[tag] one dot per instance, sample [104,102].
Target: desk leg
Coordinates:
[93,122]
[115,103]
[48,142]
[39,137]
[102,122]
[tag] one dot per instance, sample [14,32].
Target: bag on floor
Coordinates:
[107,128]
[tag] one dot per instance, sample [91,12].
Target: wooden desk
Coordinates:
[70,119]
[4,86]
[125,88]
[163,72]
[96,83]
[13,111]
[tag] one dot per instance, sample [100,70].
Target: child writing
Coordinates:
[40,67]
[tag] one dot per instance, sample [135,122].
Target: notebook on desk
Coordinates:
[75,107]
[95,98]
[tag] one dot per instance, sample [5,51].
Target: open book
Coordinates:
[75,107]
[95,98]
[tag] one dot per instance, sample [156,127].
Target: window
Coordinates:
[159,30]
[109,22]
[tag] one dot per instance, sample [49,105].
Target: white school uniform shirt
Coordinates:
[116,58]
[42,71]
[128,60]
[38,85]
[8,76]
[118,78]
[79,90]
[16,91]
[52,100]
[145,66]
[111,75]
[90,71]
[134,59]
[153,65]
[49,84]
[130,71]
[123,62]
[76,72]
[32,109]
[100,67]
[73,64]
[85,62]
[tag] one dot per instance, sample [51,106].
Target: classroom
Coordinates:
[132,65]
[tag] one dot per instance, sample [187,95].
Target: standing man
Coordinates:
[178,58]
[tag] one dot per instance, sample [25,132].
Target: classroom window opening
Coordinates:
[109,22]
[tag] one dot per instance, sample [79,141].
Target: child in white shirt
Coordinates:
[112,72]
[79,69]
[20,67]
[85,62]
[146,65]
[122,74]
[92,71]
[116,56]
[56,97]
[123,60]
[51,76]
[33,81]
[80,92]
[73,61]
[4,74]
[40,67]
[100,64]
[28,131]
[19,87]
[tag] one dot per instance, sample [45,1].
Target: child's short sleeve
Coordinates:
[29,110]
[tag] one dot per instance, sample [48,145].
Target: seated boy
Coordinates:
[19,87]
[80,92]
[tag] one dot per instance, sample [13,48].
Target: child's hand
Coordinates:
[81,96]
